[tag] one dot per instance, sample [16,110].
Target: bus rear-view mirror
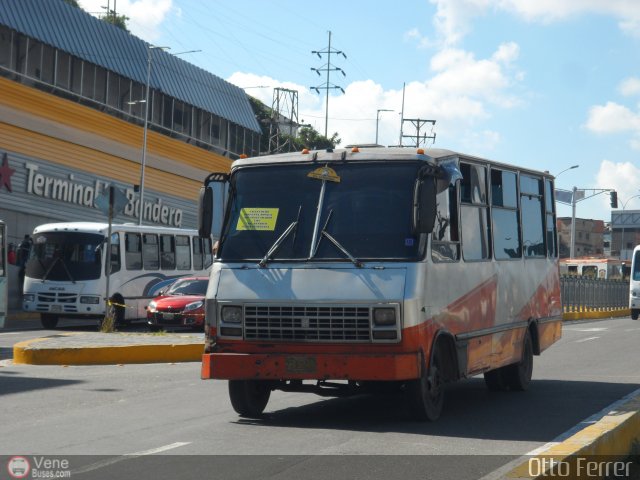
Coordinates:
[424,210]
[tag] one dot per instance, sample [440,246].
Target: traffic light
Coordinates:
[614,199]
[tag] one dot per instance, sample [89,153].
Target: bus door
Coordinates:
[3,275]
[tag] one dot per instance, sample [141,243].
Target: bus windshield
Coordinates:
[635,275]
[65,256]
[366,208]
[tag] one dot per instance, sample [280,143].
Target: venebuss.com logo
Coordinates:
[18,467]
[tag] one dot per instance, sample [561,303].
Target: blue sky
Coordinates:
[544,84]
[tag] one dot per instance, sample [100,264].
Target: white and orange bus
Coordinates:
[343,271]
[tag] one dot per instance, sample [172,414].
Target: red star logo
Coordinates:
[5,173]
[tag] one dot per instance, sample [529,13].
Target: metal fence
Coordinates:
[580,294]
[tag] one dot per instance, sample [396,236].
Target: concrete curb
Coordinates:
[612,438]
[29,352]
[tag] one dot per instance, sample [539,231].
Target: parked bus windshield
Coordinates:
[366,208]
[65,256]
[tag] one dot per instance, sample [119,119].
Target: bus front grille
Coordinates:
[307,323]
[63,302]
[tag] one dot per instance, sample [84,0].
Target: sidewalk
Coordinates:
[94,348]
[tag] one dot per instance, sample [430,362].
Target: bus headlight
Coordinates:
[89,299]
[384,316]
[151,308]
[28,297]
[231,314]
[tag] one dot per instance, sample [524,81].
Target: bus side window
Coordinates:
[445,240]
[150,253]
[208,252]
[533,234]
[167,252]
[504,200]
[197,253]
[115,252]
[474,213]
[183,253]
[552,234]
[133,251]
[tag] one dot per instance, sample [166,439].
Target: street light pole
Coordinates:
[572,252]
[146,125]
[144,135]
[378,119]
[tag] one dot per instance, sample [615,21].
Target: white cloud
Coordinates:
[414,35]
[613,118]
[145,16]
[624,177]
[461,93]
[454,17]
[630,86]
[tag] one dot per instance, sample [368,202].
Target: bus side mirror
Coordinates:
[211,205]
[424,208]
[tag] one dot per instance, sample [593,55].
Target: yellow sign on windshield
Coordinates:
[261,219]
[325,173]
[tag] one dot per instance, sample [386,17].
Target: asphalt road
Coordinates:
[162,421]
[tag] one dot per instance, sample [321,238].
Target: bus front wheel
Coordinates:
[249,397]
[634,314]
[48,321]
[426,394]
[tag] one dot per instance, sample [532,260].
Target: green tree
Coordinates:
[119,21]
[73,3]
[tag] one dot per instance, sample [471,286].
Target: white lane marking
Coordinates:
[128,456]
[593,329]
[587,339]
[12,333]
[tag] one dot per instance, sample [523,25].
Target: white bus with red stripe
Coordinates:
[348,271]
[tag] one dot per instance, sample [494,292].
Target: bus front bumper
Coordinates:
[274,366]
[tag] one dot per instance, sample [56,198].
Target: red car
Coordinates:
[180,305]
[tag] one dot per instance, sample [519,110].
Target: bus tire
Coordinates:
[518,375]
[634,314]
[426,394]
[118,311]
[48,321]
[494,380]
[249,397]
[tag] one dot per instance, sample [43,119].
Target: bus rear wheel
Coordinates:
[249,397]
[634,314]
[48,321]
[426,394]
[518,376]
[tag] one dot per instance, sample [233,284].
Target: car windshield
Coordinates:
[365,207]
[191,286]
[65,256]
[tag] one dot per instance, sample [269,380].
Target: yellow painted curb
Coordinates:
[592,315]
[109,355]
[590,452]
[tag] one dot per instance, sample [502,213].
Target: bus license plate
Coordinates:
[300,364]
[168,316]
[56,308]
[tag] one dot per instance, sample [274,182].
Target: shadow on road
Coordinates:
[11,383]
[548,409]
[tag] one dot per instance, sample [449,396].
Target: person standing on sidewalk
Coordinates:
[24,249]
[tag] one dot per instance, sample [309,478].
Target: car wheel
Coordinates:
[249,397]
[49,321]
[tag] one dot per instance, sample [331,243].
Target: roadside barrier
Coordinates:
[584,294]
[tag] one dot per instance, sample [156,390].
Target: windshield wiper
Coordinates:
[64,265]
[276,245]
[336,243]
